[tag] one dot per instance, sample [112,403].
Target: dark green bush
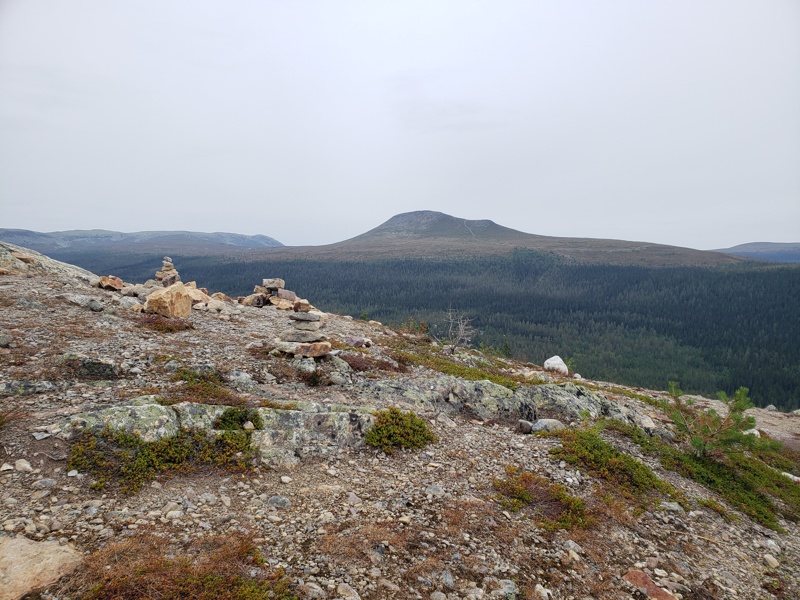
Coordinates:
[235,417]
[126,459]
[395,429]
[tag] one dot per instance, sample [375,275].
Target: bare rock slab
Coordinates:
[26,566]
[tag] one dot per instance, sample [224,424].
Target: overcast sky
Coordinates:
[669,121]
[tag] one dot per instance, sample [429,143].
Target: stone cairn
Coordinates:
[303,337]
[168,275]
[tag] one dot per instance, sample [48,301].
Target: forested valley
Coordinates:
[709,329]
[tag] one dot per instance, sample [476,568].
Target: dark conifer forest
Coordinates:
[709,329]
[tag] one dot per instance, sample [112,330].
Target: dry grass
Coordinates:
[365,363]
[147,567]
[204,387]
[163,324]
[10,415]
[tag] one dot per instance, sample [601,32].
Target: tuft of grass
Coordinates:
[10,415]
[234,418]
[204,387]
[277,405]
[127,460]
[223,567]
[550,503]
[630,478]
[163,324]
[366,363]
[397,429]
[718,508]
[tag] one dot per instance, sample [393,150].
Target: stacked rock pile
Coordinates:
[168,275]
[273,292]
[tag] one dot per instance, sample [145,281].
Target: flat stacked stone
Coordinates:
[168,275]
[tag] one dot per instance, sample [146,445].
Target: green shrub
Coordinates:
[708,430]
[747,480]
[124,458]
[630,478]
[235,417]
[551,503]
[395,429]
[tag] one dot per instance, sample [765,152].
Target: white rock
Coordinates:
[794,478]
[345,592]
[23,466]
[771,561]
[26,565]
[556,365]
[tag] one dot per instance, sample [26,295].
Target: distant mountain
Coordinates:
[92,240]
[786,253]
[430,234]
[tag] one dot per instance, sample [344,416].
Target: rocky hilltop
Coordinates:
[155,419]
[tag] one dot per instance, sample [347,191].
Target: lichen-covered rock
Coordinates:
[143,417]
[85,367]
[291,435]
[481,399]
[27,388]
[192,415]
[170,302]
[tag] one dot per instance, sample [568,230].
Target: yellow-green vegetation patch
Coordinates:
[277,404]
[550,503]
[394,429]
[204,387]
[718,508]
[128,461]
[631,479]
[620,391]
[227,567]
[450,367]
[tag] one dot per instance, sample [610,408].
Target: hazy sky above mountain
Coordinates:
[673,121]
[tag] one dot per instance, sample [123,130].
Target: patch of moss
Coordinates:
[397,429]
[126,459]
